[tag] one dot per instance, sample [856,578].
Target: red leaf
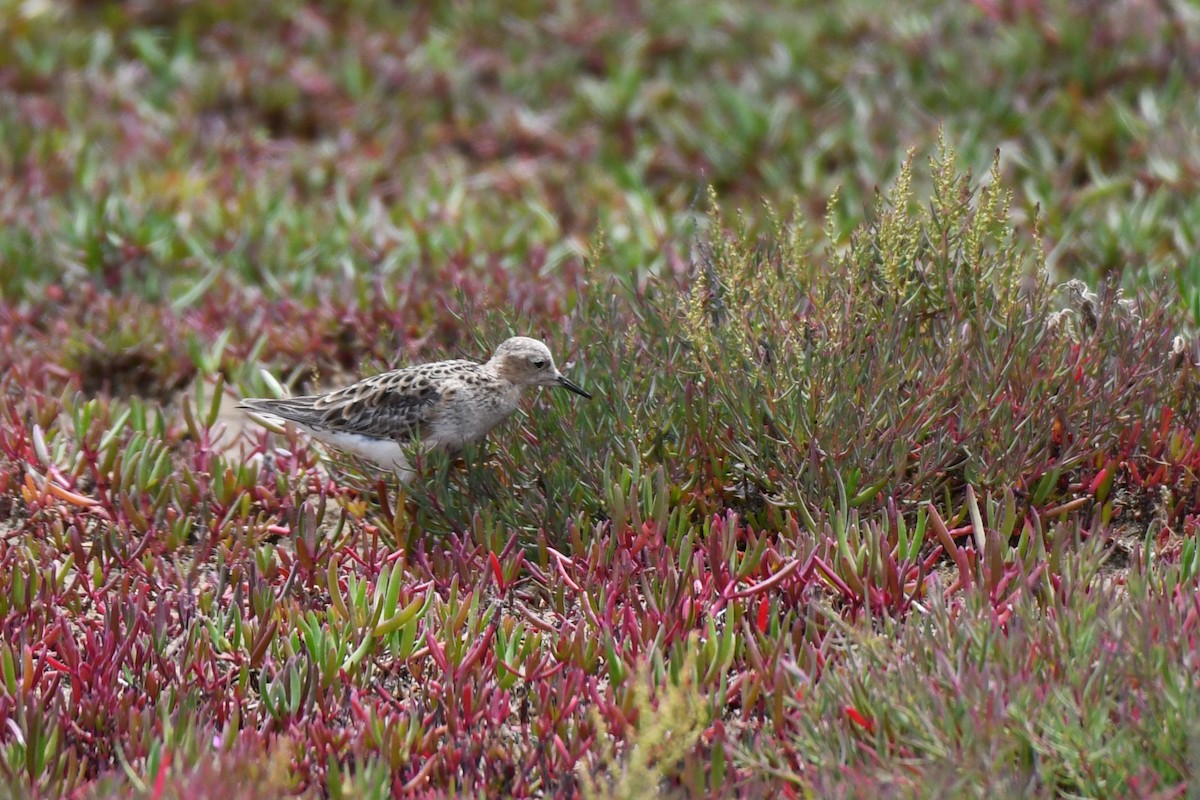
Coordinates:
[857,718]
[1099,479]
[496,570]
[764,609]
[160,780]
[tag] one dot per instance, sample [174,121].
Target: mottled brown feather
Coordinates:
[396,405]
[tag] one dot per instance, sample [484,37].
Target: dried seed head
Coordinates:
[1085,302]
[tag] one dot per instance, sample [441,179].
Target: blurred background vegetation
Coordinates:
[169,147]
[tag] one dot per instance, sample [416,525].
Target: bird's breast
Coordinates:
[471,412]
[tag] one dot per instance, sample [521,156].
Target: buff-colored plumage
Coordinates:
[446,404]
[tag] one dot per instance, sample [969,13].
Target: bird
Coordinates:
[445,404]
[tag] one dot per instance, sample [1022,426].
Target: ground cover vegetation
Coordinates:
[889,486]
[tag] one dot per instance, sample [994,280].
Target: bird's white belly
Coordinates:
[383,452]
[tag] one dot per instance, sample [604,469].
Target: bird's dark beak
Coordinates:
[567,383]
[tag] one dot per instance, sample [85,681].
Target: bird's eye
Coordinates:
[539,363]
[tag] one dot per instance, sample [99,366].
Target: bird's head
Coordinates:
[527,362]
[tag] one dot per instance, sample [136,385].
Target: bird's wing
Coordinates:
[397,405]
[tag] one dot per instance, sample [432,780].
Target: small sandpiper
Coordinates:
[446,404]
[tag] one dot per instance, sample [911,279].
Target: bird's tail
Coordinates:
[291,409]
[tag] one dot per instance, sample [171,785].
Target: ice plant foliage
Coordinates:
[800,462]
